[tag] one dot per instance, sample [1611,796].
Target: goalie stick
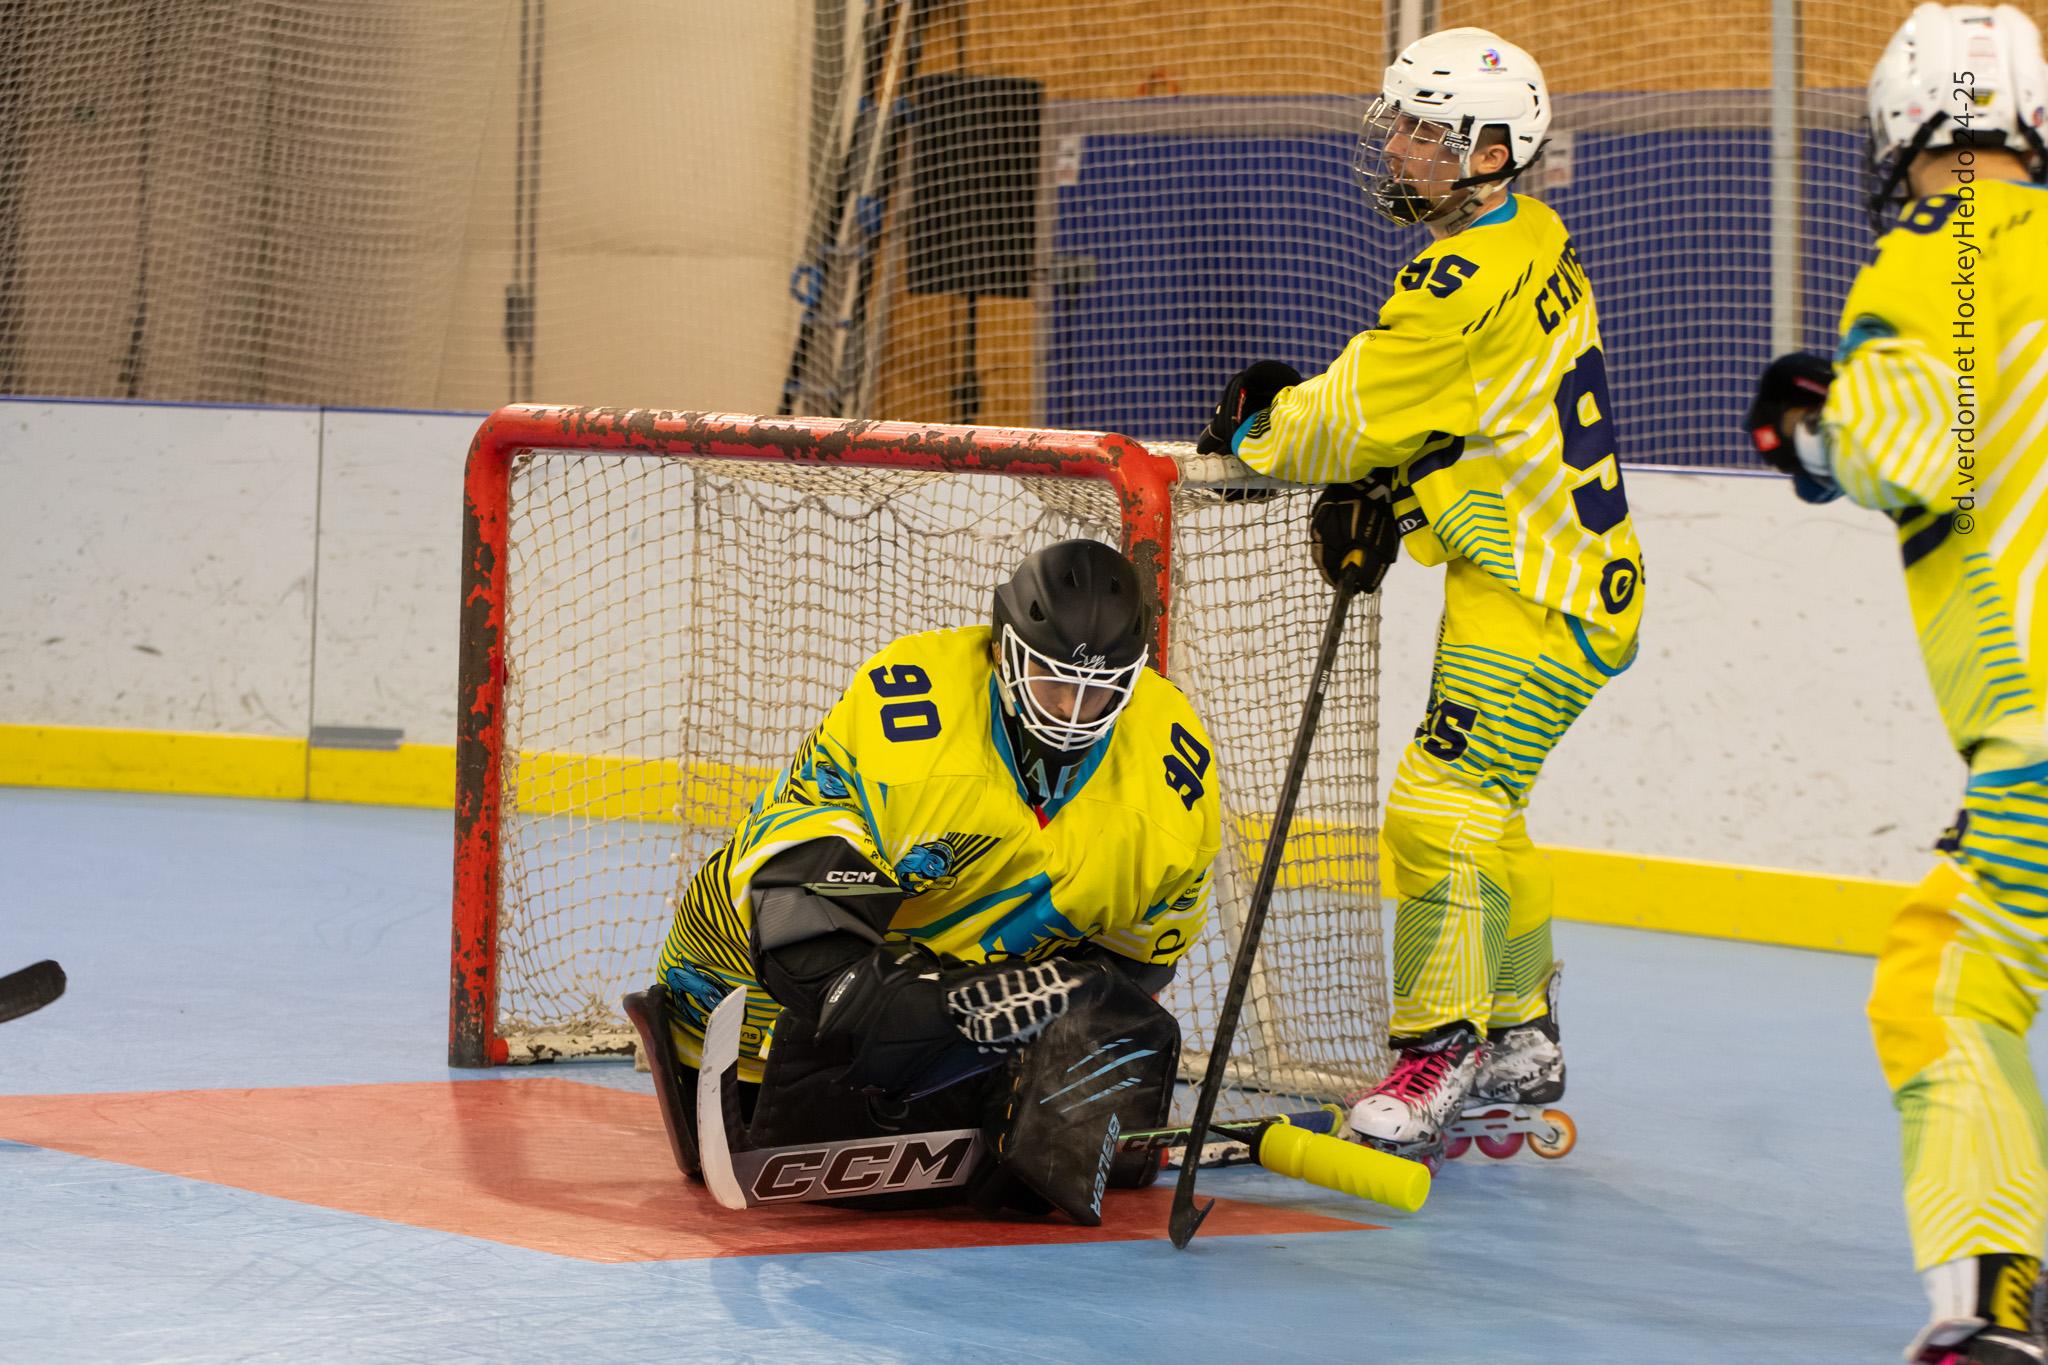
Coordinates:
[28,990]
[1380,1176]
[741,1176]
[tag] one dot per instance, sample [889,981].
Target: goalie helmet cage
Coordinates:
[658,606]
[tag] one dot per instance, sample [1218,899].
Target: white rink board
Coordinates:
[1778,716]
[390,563]
[159,566]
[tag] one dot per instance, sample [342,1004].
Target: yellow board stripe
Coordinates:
[1672,895]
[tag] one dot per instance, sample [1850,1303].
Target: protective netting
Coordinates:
[675,626]
[1051,213]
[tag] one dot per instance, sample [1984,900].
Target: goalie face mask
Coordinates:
[1066,706]
[1072,634]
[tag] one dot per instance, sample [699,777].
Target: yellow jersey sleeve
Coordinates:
[1890,418]
[822,794]
[1394,387]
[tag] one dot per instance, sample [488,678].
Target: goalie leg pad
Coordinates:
[806,1097]
[675,1085]
[1097,1072]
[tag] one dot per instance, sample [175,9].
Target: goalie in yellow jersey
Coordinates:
[1935,412]
[1474,425]
[976,874]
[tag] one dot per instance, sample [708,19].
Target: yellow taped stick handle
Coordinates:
[1344,1166]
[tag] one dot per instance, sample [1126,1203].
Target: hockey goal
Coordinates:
[657,606]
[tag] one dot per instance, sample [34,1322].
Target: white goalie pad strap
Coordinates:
[1005,1008]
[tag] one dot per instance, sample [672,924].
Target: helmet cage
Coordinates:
[1014,674]
[1396,197]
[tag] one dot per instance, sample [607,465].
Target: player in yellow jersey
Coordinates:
[1935,412]
[994,829]
[1474,425]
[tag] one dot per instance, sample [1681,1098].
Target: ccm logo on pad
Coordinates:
[837,876]
[915,1162]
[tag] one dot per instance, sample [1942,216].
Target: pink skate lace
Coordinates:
[1412,1078]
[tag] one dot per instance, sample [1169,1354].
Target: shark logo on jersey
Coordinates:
[831,785]
[935,865]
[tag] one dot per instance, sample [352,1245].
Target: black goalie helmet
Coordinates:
[1073,630]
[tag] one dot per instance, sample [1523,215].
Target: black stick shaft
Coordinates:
[1186,1217]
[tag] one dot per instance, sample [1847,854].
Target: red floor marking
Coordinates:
[554,1165]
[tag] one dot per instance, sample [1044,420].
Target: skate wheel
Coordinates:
[1455,1148]
[1564,1135]
[1500,1149]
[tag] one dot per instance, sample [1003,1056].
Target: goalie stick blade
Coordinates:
[31,988]
[719,1060]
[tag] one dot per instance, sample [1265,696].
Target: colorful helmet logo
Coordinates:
[1491,58]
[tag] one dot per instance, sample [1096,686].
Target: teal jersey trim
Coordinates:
[2011,777]
[1586,648]
[1500,214]
[1077,774]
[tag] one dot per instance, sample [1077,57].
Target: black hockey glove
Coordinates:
[1356,519]
[1793,386]
[1251,390]
[917,1025]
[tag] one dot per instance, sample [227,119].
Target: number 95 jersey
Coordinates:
[912,767]
[1485,385]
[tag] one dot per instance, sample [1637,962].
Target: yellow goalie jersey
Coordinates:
[912,767]
[1938,416]
[1485,386]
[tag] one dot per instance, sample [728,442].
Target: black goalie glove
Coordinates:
[1009,1006]
[915,1024]
[1250,391]
[1356,519]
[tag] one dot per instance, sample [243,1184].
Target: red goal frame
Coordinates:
[1142,482]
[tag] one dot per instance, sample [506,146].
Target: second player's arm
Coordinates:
[1374,408]
[1888,426]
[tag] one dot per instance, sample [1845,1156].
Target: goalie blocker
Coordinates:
[1035,1128]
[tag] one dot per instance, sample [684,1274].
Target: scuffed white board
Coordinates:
[159,566]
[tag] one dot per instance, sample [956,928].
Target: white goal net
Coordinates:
[672,626]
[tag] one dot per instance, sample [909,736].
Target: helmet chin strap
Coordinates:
[1452,219]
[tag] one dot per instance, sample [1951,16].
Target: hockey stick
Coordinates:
[28,990]
[1363,1171]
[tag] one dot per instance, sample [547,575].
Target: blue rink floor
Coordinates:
[1733,1197]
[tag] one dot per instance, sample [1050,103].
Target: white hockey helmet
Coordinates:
[1952,76]
[1445,88]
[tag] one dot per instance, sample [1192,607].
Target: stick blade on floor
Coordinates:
[31,988]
